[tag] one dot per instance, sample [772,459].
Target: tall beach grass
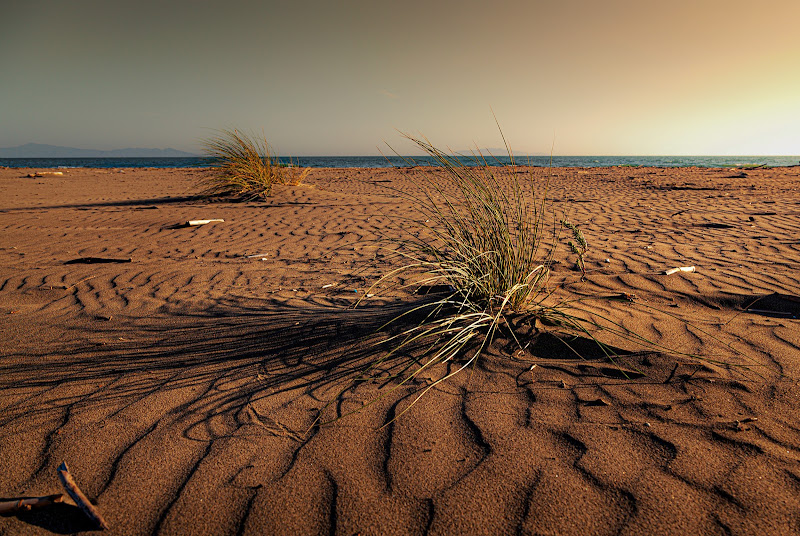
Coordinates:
[487,235]
[245,166]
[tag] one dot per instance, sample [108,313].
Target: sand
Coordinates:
[179,381]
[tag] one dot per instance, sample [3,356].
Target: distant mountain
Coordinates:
[38,150]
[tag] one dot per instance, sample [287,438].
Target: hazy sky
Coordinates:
[594,77]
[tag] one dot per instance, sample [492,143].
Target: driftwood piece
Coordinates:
[192,223]
[26,503]
[687,269]
[43,173]
[78,496]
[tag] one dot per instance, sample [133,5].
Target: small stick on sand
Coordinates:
[192,223]
[43,173]
[687,269]
[78,496]
[19,505]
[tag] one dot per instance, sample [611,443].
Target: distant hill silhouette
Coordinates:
[38,150]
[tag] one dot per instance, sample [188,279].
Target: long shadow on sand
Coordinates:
[263,349]
[152,202]
[224,365]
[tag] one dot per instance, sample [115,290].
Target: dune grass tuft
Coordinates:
[489,238]
[487,234]
[244,166]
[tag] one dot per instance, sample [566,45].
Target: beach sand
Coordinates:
[179,382]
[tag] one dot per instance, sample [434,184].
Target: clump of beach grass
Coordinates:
[487,233]
[245,166]
[489,238]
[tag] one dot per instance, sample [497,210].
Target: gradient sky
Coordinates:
[588,77]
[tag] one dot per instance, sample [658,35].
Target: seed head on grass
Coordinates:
[244,166]
[579,247]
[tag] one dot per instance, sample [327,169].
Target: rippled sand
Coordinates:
[179,382]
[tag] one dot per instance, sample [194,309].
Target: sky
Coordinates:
[338,77]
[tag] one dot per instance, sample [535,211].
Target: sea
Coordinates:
[382,162]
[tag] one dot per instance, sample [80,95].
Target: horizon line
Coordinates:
[454,153]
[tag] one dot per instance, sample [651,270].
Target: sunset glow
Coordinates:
[592,78]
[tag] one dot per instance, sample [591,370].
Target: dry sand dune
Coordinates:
[178,382]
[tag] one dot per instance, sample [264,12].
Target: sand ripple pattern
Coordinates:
[181,387]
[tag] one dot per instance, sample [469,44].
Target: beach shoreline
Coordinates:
[178,369]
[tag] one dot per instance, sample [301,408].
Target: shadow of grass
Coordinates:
[265,349]
[775,304]
[236,354]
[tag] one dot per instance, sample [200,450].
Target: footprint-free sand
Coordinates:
[177,370]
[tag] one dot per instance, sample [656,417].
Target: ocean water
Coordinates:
[380,161]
